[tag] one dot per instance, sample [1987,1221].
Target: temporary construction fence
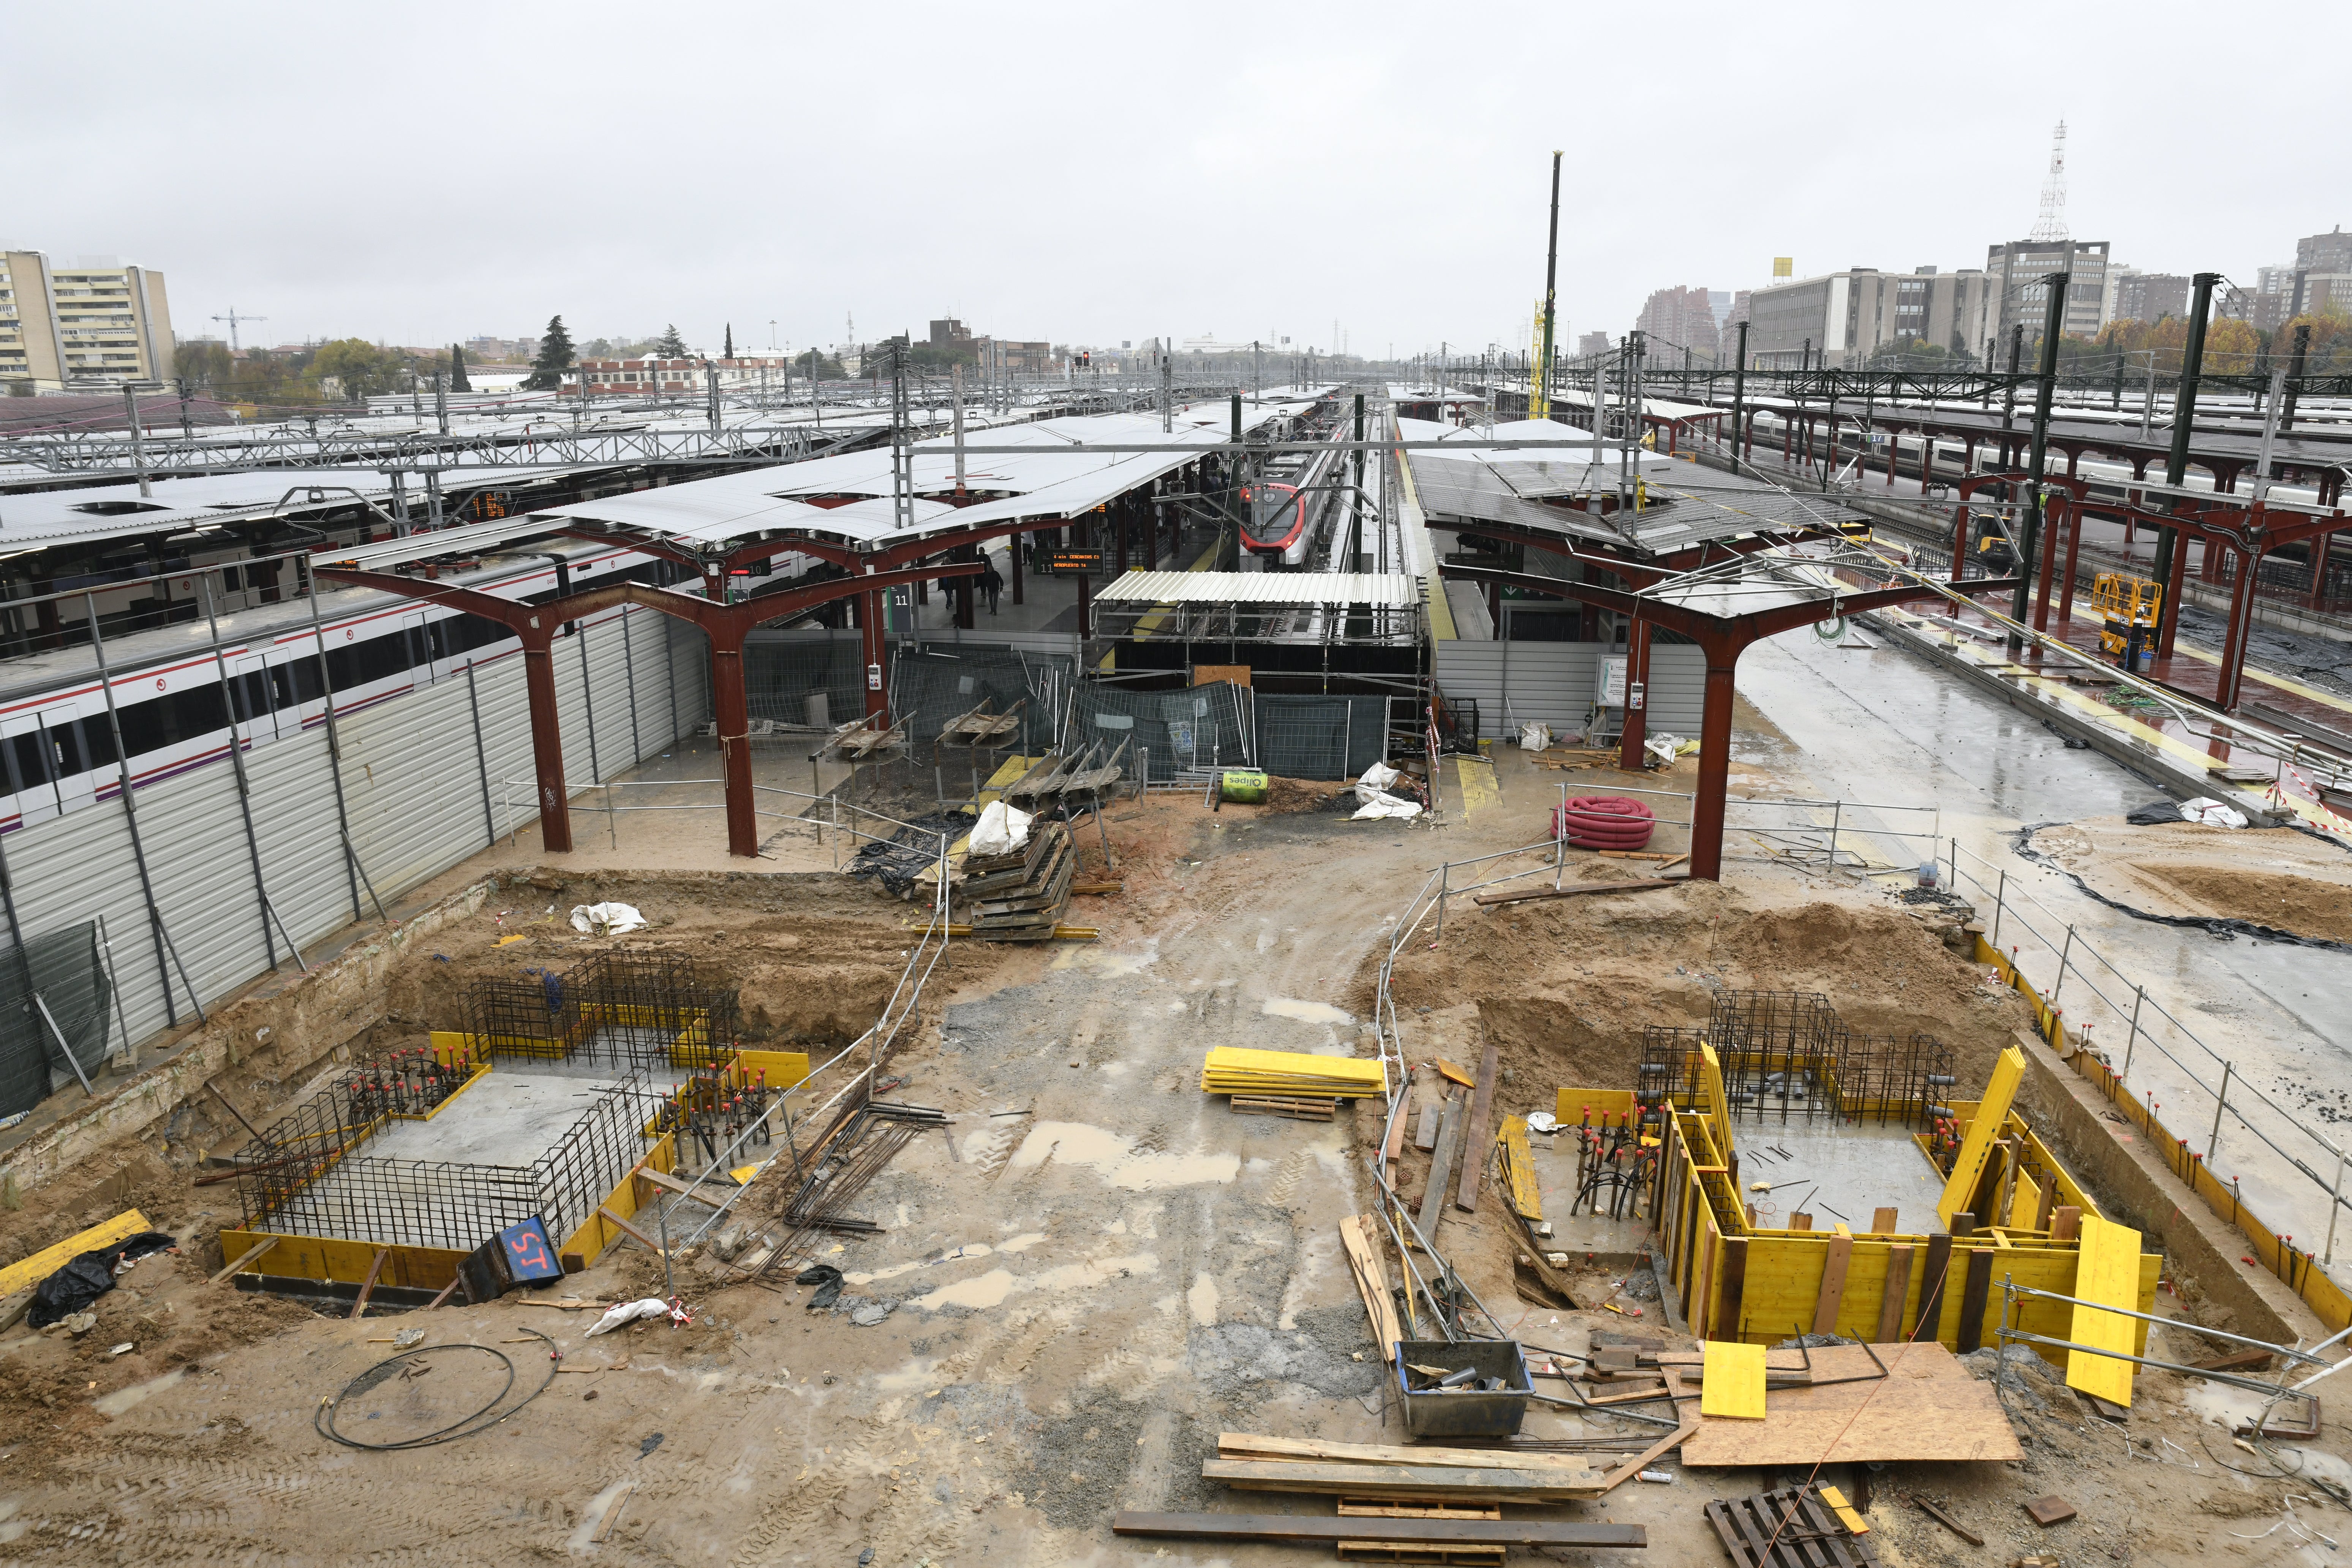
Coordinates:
[57,1008]
[1186,732]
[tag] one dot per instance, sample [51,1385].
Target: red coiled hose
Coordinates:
[1603,822]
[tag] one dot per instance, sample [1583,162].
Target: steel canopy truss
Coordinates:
[727,626]
[1723,606]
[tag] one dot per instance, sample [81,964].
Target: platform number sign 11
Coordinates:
[529,1256]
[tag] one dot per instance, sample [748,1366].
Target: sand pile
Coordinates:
[1567,986]
[2274,877]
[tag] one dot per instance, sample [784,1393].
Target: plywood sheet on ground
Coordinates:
[1928,1407]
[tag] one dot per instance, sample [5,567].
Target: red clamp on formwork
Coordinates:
[1603,822]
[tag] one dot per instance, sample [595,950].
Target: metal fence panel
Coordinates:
[64,972]
[1199,727]
[1309,736]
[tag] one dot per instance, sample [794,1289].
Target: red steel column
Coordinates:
[732,710]
[1637,720]
[1960,536]
[2168,610]
[1708,802]
[2318,566]
[2072,512]
[546,738]
[869,638]
[2232,676]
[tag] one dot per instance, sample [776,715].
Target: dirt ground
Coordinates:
[1094,1270]
[2290,881]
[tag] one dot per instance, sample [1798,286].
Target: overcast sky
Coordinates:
[420,173]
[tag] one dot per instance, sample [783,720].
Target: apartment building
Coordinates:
[93,323]
[1676,319]
[1839,321]
[632,377]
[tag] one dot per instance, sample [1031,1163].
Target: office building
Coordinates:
[1841,320]
[2015,271]
[91,323]
[2148,295]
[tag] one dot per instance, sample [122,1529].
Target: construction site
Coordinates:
[1448,968]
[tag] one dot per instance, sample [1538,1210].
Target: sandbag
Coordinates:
[1001,830]
[606,919]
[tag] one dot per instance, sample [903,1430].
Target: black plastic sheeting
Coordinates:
[89,1276]
[907,854]
[2225,929]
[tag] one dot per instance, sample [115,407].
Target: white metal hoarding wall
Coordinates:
[412,785]
[1519,682]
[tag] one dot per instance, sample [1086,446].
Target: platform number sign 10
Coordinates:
[529,1256]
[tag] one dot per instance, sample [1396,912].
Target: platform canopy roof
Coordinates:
[1391,590]
[846,499]
[1526,491]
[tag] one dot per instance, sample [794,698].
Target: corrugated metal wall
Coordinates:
[1519,682]
[413,788]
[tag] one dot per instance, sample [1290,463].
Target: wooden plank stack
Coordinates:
[1020,896]
[1292,1075]
[1388,1472]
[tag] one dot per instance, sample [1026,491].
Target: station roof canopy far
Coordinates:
[1529,491]
[1321,589]
[847,500]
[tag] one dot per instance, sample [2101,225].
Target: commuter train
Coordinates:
[1275,519]
[177,707]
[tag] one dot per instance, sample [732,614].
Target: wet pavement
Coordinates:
[1917,746]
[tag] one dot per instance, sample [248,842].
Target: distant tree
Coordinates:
[811,363]
[357,365]
[205,364]
[457,382]
[555,358]
[729,351]
[670,345]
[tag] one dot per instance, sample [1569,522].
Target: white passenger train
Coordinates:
[176,707]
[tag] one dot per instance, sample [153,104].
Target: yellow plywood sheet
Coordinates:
[1477,777]
[31,1271]
[2107,1270]
[2008,1071]
[1733,1381]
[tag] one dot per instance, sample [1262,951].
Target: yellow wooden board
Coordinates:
[32,1270]
[2008,1071]
[1519,1168]
[1732,1381]
[1844,1510]
[2107,1270]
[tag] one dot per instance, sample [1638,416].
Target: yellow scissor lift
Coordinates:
[2123,602]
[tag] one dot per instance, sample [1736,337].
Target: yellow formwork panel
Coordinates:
[2008,1072]
[596,1233]
[1731,1381]
[1570,1104]
[343,1260]
[2107,1274]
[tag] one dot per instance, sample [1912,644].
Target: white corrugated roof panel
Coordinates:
[1389,590]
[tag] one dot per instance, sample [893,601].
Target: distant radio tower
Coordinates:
[2051,228]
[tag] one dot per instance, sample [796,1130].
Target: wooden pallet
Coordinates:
[1792,1528]
[1282,1105]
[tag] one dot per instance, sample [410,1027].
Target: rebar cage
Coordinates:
[622,1010]
[310,1176]
[1786,1054]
